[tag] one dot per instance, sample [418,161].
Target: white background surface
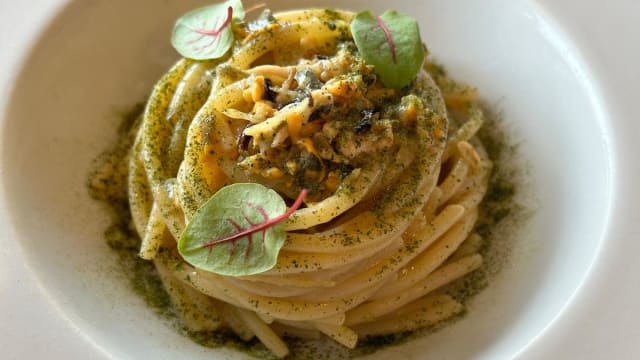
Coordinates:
[601,321]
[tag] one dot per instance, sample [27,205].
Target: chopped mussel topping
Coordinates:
[314,122]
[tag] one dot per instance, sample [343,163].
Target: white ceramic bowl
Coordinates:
[93,60]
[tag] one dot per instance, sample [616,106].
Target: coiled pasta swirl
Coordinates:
[395,179]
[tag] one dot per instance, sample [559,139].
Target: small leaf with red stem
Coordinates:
[206,33]
[391,43]
[238,231]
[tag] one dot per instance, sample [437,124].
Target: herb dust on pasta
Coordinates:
[501,215]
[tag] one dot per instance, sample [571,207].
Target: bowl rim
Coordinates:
[608,63]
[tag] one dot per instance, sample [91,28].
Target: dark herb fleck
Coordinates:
[270,92]
[365,122]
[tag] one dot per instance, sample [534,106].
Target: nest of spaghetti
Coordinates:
[395,177]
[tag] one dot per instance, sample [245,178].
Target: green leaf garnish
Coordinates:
[391,43]
[206,33]
[238,231]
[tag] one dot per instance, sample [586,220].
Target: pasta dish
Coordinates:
[383,183]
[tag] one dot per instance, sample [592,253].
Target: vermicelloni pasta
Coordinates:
[395,177]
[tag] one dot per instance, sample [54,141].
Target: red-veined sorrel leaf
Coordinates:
[238,231]
[391,43]
[206,33]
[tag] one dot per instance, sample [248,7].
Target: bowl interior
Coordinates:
[97,59]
